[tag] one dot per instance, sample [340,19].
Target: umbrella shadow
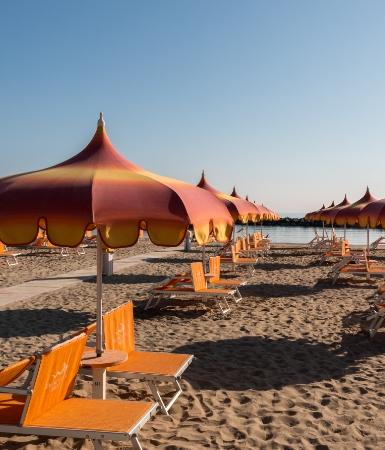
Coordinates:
[278,290]
[261,364]
[172,260]
[279,266]
[39,322]
[129,279]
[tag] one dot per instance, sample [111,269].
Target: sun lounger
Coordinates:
[13,372]
[239,261]
[193,287]
[152,367]
[9,255]
[378,243]
[364,267]
[214,276]
[46,409]
[374,320]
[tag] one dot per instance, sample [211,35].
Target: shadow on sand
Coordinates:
[38,322]
[261,364]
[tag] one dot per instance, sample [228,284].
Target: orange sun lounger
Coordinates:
[214,277]
[238,261]
[46,408]
[151,367]
[364,267]
[193,287]
[9,255]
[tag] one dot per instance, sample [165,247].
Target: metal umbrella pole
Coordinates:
[345,231]
[367,238]
[99,295]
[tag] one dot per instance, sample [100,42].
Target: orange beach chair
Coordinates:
[151,367]
[193,287]
[214,276]
[46,408]
[10,256]
[239,261]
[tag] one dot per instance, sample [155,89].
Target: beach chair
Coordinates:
[9,255]
[193,287]
[374,320]
[13,372]
[154,368]
[377,244]
[46,408]
[238,261]
[214,276]
[364,267]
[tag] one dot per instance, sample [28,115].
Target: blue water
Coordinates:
[302,235]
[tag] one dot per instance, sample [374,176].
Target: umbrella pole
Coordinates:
[323,230]
[367,238]
[99,295]
[345,232]
[204,257]
[262,228]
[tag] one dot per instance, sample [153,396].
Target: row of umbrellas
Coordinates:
[365,212]
[98,188]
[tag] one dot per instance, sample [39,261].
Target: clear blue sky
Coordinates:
[285,99]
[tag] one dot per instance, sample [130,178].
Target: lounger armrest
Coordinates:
[14,390]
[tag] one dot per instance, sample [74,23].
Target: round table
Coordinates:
[99,365]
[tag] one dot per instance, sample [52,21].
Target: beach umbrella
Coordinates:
[98,188]
[372,216]
[349,215]
[240,209]
[310,215]
[328,215]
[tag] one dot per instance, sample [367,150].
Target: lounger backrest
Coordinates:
[119,328]
[233,253]
[198,276]
[55,377]
[12,372]
[215,267]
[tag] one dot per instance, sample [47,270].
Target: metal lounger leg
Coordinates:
[97,443]
[152,302]
[135,443]
[155,392]
[14,263]
[227,308]
[237,296]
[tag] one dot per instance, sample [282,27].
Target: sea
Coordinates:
[303,235]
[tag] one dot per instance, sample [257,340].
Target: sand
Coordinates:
[287,369]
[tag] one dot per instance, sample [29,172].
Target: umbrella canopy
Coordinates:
[257,212]
[329,214]
[373,214]
[350,214]
[239,208]
[317,214]
[310,216]
[99,188]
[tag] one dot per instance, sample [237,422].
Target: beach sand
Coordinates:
[286,370]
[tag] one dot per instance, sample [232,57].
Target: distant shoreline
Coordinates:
[301,222]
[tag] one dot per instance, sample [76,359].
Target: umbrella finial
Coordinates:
[203,172]
[101,122]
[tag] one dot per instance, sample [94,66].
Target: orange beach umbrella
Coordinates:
[373,214]
[99,188]
[310,216]
[317,214]
[256,212]
[350,214]
[239,208]
[329,214]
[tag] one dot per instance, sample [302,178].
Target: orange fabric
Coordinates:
[152,363]
[56,376]
[328,215]
[119,328]
[11,408]
[198,276]
[215,269]
[99,187]
[11,373]
[97,415]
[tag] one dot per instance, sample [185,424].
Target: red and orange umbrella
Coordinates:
[373,214]
[99,188]
[317,214]
[239,208]
[257,213]
[310,216]
[350,214]
[328,215]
